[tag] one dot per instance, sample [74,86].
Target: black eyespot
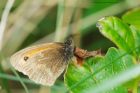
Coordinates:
[26,58]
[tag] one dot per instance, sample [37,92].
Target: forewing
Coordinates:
[44,65]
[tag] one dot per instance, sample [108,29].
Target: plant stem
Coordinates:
[4,19]
[135,87]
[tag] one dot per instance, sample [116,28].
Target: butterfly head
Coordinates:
[68,42]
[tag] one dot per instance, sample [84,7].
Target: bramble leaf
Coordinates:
[96,70]
[118,32]
[133,17]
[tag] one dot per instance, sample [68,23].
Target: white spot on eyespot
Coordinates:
[26,58]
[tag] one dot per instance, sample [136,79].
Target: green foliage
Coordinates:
[96,70]
[118,32]
[133,17]
[84,77]
[136,33]
[42,21]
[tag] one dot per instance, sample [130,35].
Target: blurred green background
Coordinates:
[40,21]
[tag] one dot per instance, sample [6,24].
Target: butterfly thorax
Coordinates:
[68,50]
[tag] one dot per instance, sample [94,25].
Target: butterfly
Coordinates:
[44,63]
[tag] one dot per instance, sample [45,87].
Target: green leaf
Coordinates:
[118,32]
[133,17]
[136,34]
[96,70]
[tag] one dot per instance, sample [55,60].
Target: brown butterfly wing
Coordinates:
[44,63]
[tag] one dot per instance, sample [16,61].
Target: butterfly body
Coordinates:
[43,63]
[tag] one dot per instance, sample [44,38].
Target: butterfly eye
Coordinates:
[68,42]
[26,58]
